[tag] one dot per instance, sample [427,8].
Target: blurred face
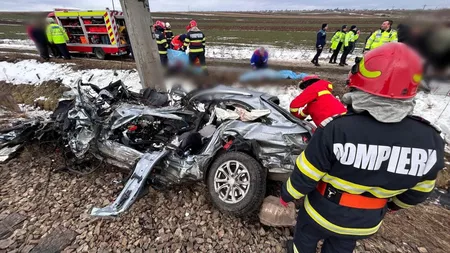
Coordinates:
[262,51]
[325,28]
[385,25]
[345,29]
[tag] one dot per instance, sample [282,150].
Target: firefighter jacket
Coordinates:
[161,41]
[350,38]
[195,40]
[337,38]
[380,37]
[56,34]
[169,36]
[358,156]
[318,101]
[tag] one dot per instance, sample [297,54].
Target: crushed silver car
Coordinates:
[232,139]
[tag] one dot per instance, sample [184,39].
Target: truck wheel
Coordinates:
[237,183]
[99,53]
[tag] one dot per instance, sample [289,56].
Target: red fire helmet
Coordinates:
[193,23]
[393,70]
[160,24]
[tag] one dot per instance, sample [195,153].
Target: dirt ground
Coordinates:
[182,219]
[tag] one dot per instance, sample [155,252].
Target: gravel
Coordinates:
[177,220]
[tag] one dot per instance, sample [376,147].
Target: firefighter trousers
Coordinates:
[200,56]
[164,59]
[307,235]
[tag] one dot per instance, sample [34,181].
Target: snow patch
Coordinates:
[34,112]
[34,73]
[244,52]
[17,44]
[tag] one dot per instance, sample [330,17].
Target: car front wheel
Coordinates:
[237,183]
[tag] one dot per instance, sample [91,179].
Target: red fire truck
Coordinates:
[94,32]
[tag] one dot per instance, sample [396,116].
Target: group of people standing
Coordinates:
[345,40]
[49,36]
[194,39]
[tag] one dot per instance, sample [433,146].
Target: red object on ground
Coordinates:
[319,101]
[393,70]
[283,203]
[132,128]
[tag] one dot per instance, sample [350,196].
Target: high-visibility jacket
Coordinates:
[359,157]
[337,38]
[56,34]
[380,37]
[195,40]
[161,41]
[318,101]
[349,38]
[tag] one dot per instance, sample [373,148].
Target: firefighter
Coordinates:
[364,164]
[336,43]
[349,42]
[316,100]
[162,42]
[195,40]
[382,36]
[57,36]
[168,33]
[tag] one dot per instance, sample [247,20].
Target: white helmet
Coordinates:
[50,20]
[168,25]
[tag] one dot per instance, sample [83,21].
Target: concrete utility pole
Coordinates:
[145,50]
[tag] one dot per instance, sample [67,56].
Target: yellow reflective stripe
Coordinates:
[353,188]
[295,249]
[161,41]
[204,67]
[293,109]
[294,193]
[187,40]
[302,113]
[417,78]
[367,73]
[308,169]
[400,204]
[162,52]
[186,44]
[319,219]
[424,186]
[196,41]
[199,50]
[91,13]
[330,86]
[324,92]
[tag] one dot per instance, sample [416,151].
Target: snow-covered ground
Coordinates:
[435,108]
[35,73]
[221,50]
[17,44]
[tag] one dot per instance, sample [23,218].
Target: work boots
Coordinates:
[290,246]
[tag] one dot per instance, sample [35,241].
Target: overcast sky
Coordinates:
[223,5]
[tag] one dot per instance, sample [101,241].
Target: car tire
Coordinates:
[99,53]
[248,186]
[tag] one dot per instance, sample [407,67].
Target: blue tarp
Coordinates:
[270,74]
[177,58]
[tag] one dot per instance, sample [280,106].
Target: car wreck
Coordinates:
[231,139]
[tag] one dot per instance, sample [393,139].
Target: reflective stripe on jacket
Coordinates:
[56,34]
[317,101]
[359,155]
[195,40]
[380,38]
[161,41]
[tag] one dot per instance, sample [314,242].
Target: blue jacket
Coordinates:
[321,38]
[259,60]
